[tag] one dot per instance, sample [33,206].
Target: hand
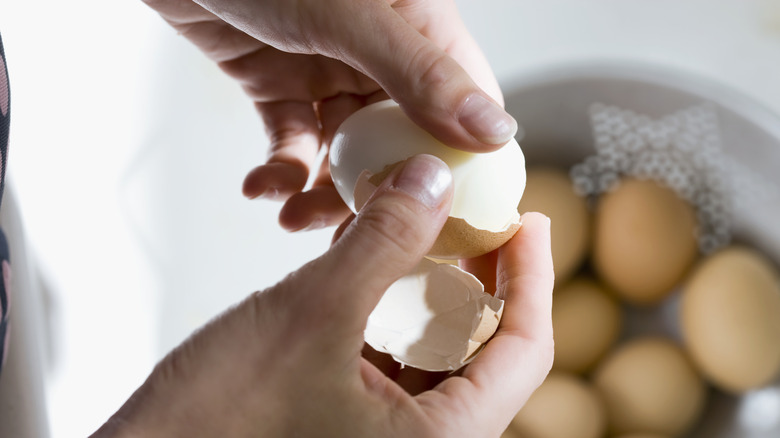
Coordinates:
[287,361]
[308,64]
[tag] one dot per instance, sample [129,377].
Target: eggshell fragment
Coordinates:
[435,318]
[487,186]
[730,318]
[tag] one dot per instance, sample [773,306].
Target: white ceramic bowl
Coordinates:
[552,106]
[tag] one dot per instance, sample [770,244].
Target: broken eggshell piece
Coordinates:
[436,318]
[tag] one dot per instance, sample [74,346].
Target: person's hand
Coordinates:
[287,361]
[308,64]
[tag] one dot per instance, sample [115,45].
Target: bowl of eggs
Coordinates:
[663,195]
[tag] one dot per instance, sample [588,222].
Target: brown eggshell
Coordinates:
[586,321]
[730,317]
[645,241]
[564,406]
[650,385]
[459,240]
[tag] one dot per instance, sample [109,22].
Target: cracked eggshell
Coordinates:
[436,318]
[487,186]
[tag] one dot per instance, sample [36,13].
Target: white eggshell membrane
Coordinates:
[487,186]
[435,318]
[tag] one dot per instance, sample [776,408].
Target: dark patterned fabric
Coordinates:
[5,116]
[5,119]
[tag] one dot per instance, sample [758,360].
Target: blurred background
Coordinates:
[128,149]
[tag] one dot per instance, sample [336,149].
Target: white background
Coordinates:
[128,150]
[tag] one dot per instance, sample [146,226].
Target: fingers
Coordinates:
[522,354]
[297,130]
[431,87]
[440,22]
[216,38]
[518,358]
[484,268]
[334,110]
[269,75]
[317,208]
[321,206]
[178,11]
[525,280]
[293,130]
[276,181]
[386,240]
[341,228]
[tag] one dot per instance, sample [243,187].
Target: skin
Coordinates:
[290,360]
[308,64]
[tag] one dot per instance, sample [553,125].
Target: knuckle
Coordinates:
[255,78]
[392,227]
[238,68]
[176,366]
[436,71]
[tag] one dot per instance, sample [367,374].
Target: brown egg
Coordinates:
[730,316]
[644,240]
[550,191]
[643,435]
[564,406]
[586,323]
[649,385]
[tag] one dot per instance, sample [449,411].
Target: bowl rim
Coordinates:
[663,75]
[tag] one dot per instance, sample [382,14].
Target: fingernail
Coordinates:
[486,121]
[426,178]
[270,193]
[317,223]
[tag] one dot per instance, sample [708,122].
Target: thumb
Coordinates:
[389,236]
[431,87]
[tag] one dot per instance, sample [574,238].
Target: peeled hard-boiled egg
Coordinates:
[730,318]
[487,186]
[437,317]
